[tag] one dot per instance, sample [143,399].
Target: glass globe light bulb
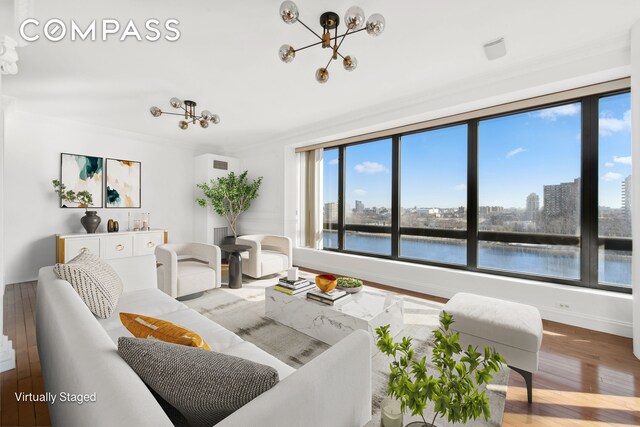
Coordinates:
[375,24]
[322,75]
[155,111]
[215,119]
[175,102]
[289,12]
[354,18]
[206,114]
[349,63]
[204,123]
[183,124]
[286,53]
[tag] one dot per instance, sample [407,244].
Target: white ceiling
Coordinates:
[226,60]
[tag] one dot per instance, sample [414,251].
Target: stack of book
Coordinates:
[331,298]
[294,287]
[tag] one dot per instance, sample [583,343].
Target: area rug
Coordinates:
[242,312]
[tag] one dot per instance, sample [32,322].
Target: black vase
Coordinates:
[90,221]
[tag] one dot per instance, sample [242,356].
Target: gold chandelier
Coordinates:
[354,21]
[189,113]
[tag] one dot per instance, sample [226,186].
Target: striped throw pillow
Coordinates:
[161,330]
[98,285]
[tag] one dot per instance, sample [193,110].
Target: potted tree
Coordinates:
[90,221]
[230,196]
[454,389]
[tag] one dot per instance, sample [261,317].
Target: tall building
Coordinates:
[562,199]
[533,207]
[331,212]
[359,206]
[626,196]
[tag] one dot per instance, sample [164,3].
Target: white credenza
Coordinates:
[109,245]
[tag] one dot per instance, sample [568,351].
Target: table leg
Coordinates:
[235,270]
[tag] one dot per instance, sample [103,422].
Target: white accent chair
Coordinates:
[180,275]
[268,254]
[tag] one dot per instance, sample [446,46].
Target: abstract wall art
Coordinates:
[123,183]
[82,173]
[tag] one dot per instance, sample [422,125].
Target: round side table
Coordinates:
[235,263]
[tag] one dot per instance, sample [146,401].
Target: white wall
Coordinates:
[32,159]
[266,214]
[276,212]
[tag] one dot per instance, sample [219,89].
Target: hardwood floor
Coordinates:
[586,378]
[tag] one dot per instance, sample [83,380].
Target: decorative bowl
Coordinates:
[326,282]
[350,285]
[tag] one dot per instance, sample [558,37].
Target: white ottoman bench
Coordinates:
[515,330]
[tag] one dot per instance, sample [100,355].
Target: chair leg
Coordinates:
[528,379]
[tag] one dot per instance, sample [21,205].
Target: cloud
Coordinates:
[333,162]
[553,113]
[459,187]
[369,167]
[609,125]
[608,164]
[360,192]
[512,153]
[624,160]
[611,176]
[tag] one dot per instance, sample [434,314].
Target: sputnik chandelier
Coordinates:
[189,113]
[354,21]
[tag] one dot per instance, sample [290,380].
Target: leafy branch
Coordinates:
[83,198]
[229,196]
[454,390]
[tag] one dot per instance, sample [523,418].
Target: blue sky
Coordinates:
[517,155]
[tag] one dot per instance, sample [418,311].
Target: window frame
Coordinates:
[587,240]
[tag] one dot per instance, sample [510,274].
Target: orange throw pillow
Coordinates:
[161,330]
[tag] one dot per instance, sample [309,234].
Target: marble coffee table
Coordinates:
[367,309]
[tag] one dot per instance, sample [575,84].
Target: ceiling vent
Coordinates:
[219,164]
[495,49]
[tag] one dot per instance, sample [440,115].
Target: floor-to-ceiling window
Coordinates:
[529,192]
[367,196]
[330,174]
[614,189]
[541,193]
[433,195]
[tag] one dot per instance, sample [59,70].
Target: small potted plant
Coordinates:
[90,221]
[454,389]
[229,196]
[349,284]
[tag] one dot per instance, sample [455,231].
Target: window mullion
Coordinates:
[472,194]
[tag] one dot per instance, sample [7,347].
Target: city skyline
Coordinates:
[518,155]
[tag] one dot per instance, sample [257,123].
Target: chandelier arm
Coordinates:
[173,114]
[308,46]
[307,27]
[344,36]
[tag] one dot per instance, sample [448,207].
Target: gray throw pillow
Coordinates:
[203,385]
[94,280]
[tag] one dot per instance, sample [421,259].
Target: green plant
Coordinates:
[349,282]
[229,196]
[83,198]
[454,390]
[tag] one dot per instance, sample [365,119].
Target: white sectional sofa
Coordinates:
[78,355]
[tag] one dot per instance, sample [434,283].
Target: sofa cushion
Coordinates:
[194,276]
[249,351]
[157,329]
[148,302]
[205,386]
[218,338]
[94,280]
[505,322]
